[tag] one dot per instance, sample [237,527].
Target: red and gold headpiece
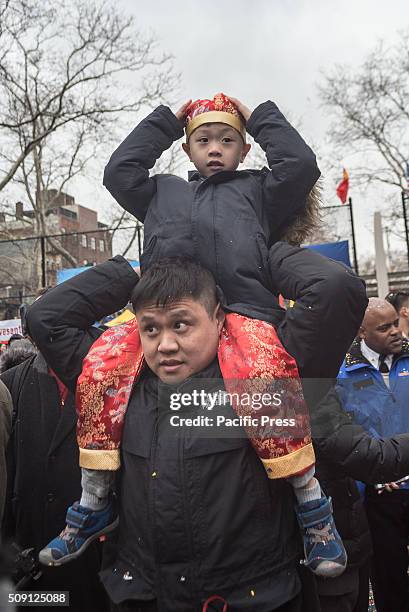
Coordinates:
[218,110]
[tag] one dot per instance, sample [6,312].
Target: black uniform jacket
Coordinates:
[227,221]
[44,479]
[345,453]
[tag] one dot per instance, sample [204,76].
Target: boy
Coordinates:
[227,220]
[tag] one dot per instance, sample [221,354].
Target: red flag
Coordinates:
[342,189]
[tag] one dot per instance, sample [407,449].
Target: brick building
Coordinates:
[85,245]
[85,238]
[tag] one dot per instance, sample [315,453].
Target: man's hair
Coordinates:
[15,337]
[398,299]
[174,278]
[16,354]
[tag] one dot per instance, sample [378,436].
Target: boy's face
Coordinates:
[214,147]
[179,339]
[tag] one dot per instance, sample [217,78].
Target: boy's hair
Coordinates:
[174,278]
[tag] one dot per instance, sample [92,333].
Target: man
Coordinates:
[43,476]
[204,519]
[338,440]
[18,352]
[400,301]
[374,388]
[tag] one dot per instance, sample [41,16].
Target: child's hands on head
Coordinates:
[181,113]
[243,110]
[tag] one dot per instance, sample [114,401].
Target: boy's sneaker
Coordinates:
[324,551]
[83,526]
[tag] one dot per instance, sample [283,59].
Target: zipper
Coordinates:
[187,521]
[216,254]
[152,496]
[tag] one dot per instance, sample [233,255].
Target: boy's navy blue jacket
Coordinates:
[382,411]
[227,221]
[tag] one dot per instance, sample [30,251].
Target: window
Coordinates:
[101,246]
[92,242]
[84,240]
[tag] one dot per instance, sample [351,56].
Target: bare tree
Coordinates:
[49,82]
[61,97]
[370,111]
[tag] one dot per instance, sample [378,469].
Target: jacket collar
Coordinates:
[219,177]
[355,359]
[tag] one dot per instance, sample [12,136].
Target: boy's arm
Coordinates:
[60,322]
[126,175]
[293,167]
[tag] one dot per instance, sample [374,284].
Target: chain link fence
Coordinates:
[29,264]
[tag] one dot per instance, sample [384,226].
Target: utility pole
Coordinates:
[380,258]
[351,215]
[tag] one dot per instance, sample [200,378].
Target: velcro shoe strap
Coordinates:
[76,519]
[310,518]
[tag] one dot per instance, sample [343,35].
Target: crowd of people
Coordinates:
[230,501]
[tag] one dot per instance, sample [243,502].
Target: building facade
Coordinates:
[77,238]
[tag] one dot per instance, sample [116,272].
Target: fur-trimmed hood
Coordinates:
[302,227]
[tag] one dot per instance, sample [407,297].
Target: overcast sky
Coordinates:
[261,49]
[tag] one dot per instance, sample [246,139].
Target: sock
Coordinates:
[96,485]
[310,492]
[92,502]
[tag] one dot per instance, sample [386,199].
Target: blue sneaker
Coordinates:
[324,551]
[83,526]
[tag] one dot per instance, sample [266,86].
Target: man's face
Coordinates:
[179,339]
[214,147]
[380,330]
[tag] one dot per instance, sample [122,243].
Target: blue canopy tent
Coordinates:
[66,273]
[339,251]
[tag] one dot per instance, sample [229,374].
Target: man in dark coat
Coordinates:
[184,534]
[345,447]
[43,477]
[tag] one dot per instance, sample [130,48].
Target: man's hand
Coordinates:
[389,487]
[181,113]
[246,112]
